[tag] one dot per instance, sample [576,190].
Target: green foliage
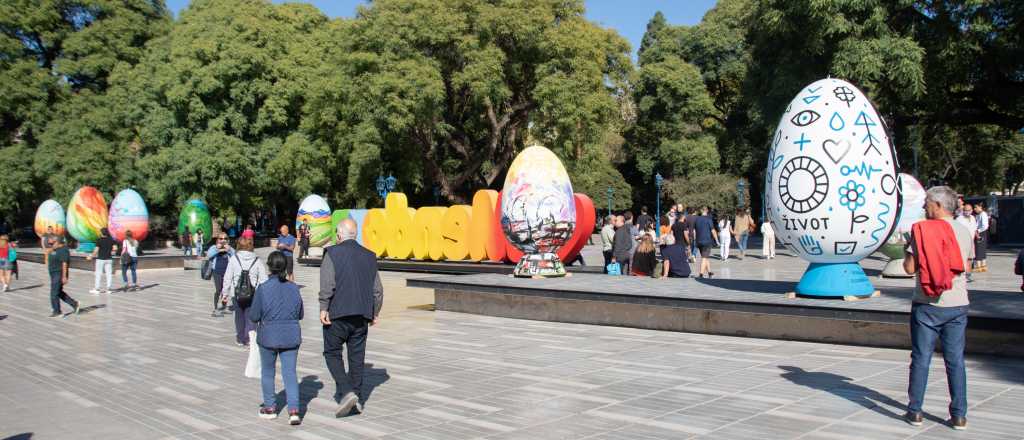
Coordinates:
[445,93]
[250,104]
[717,191]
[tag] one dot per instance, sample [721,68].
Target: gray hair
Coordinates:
[944,196]
[347,229]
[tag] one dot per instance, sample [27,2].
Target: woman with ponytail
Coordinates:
[276,309]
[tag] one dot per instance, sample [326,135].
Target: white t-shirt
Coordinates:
[130,247]
[957,294]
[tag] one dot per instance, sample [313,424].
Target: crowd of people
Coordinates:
[688,234]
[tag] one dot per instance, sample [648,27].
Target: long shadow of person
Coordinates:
[844,387]
[309,388]
[372,378]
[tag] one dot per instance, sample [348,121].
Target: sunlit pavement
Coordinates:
[154,364]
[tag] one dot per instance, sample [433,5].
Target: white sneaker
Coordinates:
[94,291]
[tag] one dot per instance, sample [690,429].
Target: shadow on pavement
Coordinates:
[86,309]
[25,288]
[844,387]
[22,436]
[309,389]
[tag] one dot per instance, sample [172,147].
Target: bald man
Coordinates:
[351,296]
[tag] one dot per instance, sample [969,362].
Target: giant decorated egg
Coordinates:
[538,213]
[196,215]
[913,194]
[87,214]
[128,213]
[49,214]
[315,211]
[832,179]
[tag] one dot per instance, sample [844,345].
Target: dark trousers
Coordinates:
[348,331]
[57,294]
[218,284]
[929,324]
[607,259]
[242,324]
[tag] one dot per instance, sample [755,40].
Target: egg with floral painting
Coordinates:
[832,175]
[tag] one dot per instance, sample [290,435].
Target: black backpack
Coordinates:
[245,290]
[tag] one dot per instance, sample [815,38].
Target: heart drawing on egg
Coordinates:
[836,151]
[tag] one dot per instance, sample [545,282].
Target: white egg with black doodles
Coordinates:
[831,185]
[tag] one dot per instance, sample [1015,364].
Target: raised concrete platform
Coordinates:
[155,260]
[722,306]
[449,267]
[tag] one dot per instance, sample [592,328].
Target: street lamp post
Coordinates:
[610,192]
[740,186]
[385,185]
[657,205]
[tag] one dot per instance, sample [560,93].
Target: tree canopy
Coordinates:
[253,105]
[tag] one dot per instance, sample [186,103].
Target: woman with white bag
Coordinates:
[277,310]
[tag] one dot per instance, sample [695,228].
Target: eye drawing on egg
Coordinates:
[805,118]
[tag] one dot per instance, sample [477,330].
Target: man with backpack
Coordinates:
[216,265]
[244,273]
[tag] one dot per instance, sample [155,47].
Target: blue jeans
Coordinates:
[743,236]
[929,324]
[129,263]
[268,361]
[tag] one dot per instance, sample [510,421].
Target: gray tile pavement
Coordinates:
[153,364]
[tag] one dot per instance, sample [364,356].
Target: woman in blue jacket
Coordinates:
[276,309]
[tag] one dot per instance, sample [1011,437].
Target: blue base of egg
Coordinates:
[834,280]
[85,248]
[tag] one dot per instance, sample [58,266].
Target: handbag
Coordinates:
[658,268]
[252,365]
[614,269]
[206,271]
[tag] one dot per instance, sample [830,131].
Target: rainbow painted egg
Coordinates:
[87,214]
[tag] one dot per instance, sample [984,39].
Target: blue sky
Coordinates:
[629,17]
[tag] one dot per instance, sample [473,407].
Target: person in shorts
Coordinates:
[705,236]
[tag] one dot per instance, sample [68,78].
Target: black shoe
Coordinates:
[958,423]
[55,314]
[914,418]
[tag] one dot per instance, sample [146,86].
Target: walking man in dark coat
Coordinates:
[351,296]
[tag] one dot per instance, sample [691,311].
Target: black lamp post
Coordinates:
[657,205]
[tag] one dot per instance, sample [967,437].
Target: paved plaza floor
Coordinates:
[153,364]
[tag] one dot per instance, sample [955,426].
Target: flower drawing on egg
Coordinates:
[851,195]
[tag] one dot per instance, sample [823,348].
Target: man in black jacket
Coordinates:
[351,296]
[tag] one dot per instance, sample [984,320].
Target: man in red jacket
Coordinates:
[939,317]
